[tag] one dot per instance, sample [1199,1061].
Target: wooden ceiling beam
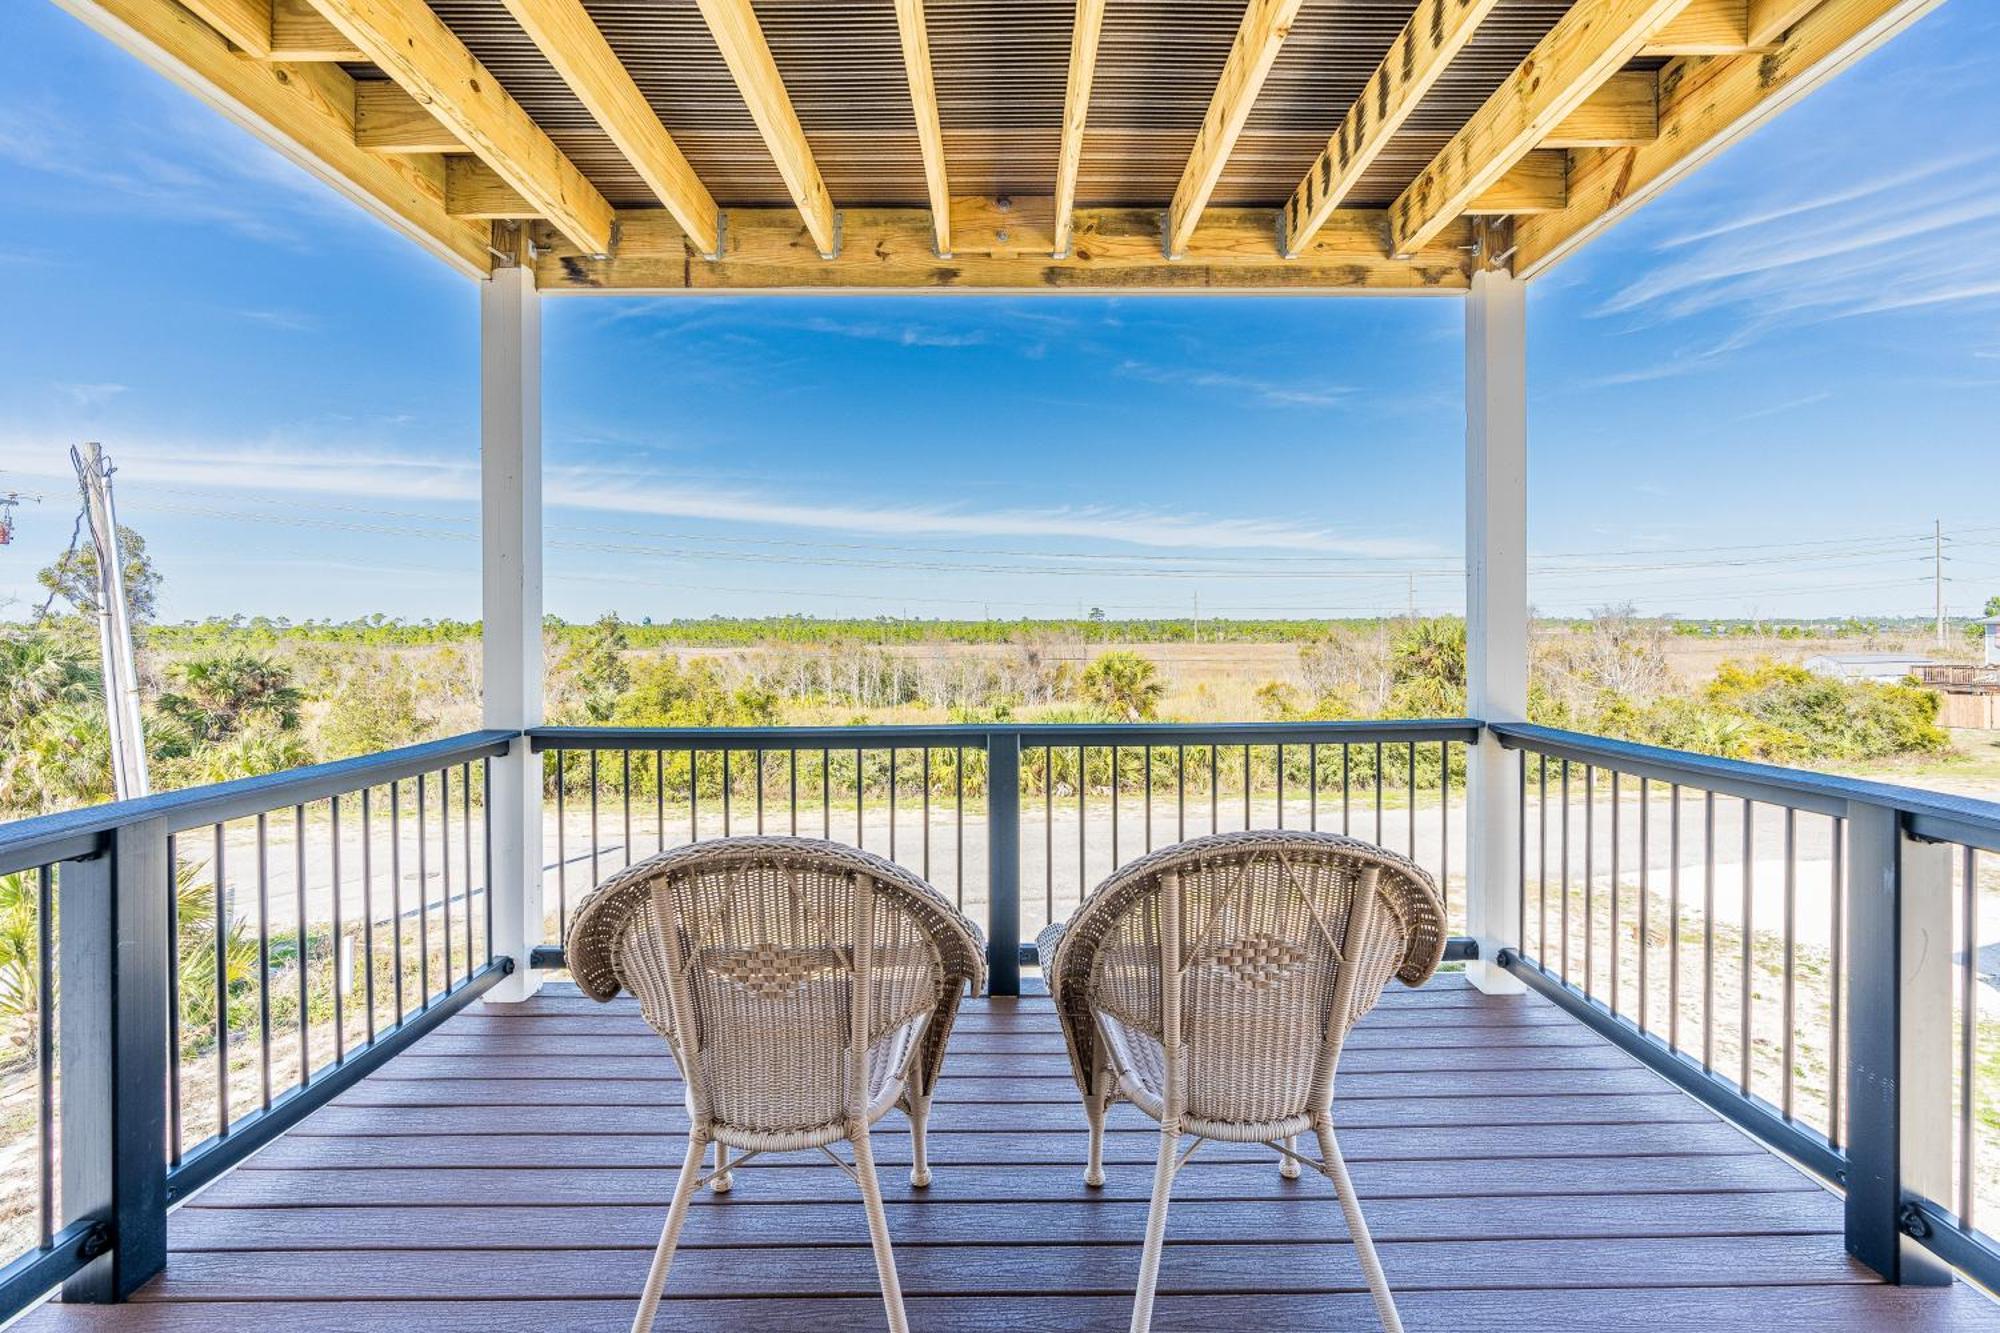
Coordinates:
[300,32]
[246,23]
[740,38]
[413,46]
[1769,20]
[923,100]
[304,111]
[1706,104]
[1266,24]
[1084,33]
[1588,45]
[1435,34]
[1113,250]
[1625,111]
[474,190]
[1704,28]
[573,44]
[1539,183]
[389,120]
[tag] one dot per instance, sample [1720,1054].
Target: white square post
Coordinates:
[510,415]
[1496,611]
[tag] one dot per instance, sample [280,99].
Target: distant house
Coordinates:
[1992,627]
[1884,667]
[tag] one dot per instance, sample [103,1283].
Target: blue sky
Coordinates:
[1753,397]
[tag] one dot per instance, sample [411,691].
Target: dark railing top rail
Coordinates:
[1937,816]
[75,833]
[1031,734]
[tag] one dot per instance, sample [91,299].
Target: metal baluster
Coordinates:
[45,1048]
[1542,816]
[424,888]
[1791,937]
[339,1003]
[1708,932]
[305,947]
[958,832]
[760,792]
[1564,921]
[1645,923]
[1049,830]
[727,783]
[465,836]
[221,928]
[1615,891]
[173,1000]
[792,779]
[1444,826]
[1180,793]
[368,908]
[1521,837]
[486,834]
[659,801]
[444,868]
[625,790]
[1410,816]
[892,802]
[1589,879]
[562,852]
[1346,787]
[1746,1017]
[1246,786]
[1116,803]
[1674,915]
[826,794]
[1968,979]
[1836,929]
[1281,784]
[1312,787]
[1149,798]
[1379,785]
[1082,825]
[596,875]
[926,752]
[264,956]
[1214,790]
[694,795]
[396,875]
[858,826]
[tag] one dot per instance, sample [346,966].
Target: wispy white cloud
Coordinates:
[285,321]
[1274,393]
[380,475]
[89,395]
[1789,405]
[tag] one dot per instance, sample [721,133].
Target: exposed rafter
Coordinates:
[1704,28]
[300,32]
[246,23]
[389,120]
[1117,250]
[1704,105]
[1083,37]
[741,40]
[305,111]
[1769,20]
[1624,112]
[1585,48]
[1266,24]
[571,40]
[412,46]
[1429,42]
[924,102]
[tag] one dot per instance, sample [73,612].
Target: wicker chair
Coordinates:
[744,954]
[1213,983]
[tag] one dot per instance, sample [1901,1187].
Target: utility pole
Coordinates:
[114,624]
[1937,566]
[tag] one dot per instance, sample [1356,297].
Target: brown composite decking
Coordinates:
[512,1170]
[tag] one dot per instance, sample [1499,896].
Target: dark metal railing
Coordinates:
[194,988]
[1015,822]
[1774,941]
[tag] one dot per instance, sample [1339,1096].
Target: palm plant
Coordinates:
[1125,685]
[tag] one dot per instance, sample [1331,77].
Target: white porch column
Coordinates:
[1496,610]
[510,413]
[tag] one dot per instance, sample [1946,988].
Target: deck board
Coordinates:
[1515,1169]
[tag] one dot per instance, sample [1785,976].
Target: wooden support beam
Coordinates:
[474,190]
[300,32]
[1589,44]
[1434,36]
[923,100]
[1769,20]
[1704,28]
[1706,104]
[889,250]
[740,38]
[1266,23]
[246,23]
[1623,112]
[306,112]
[389,120]
[571,40]
[414,47]
[1089,26]
[1539,183]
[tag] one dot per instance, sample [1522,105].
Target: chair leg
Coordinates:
[723,1179]
[663,1256]
[1094,1110]
[1156,1229]
[878,1232]
[920,1161]
[1357,1228]
[1288,1167]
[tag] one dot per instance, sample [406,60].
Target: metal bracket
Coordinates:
[840,234]
[721,235]
[1910,1220]
[96,1241]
